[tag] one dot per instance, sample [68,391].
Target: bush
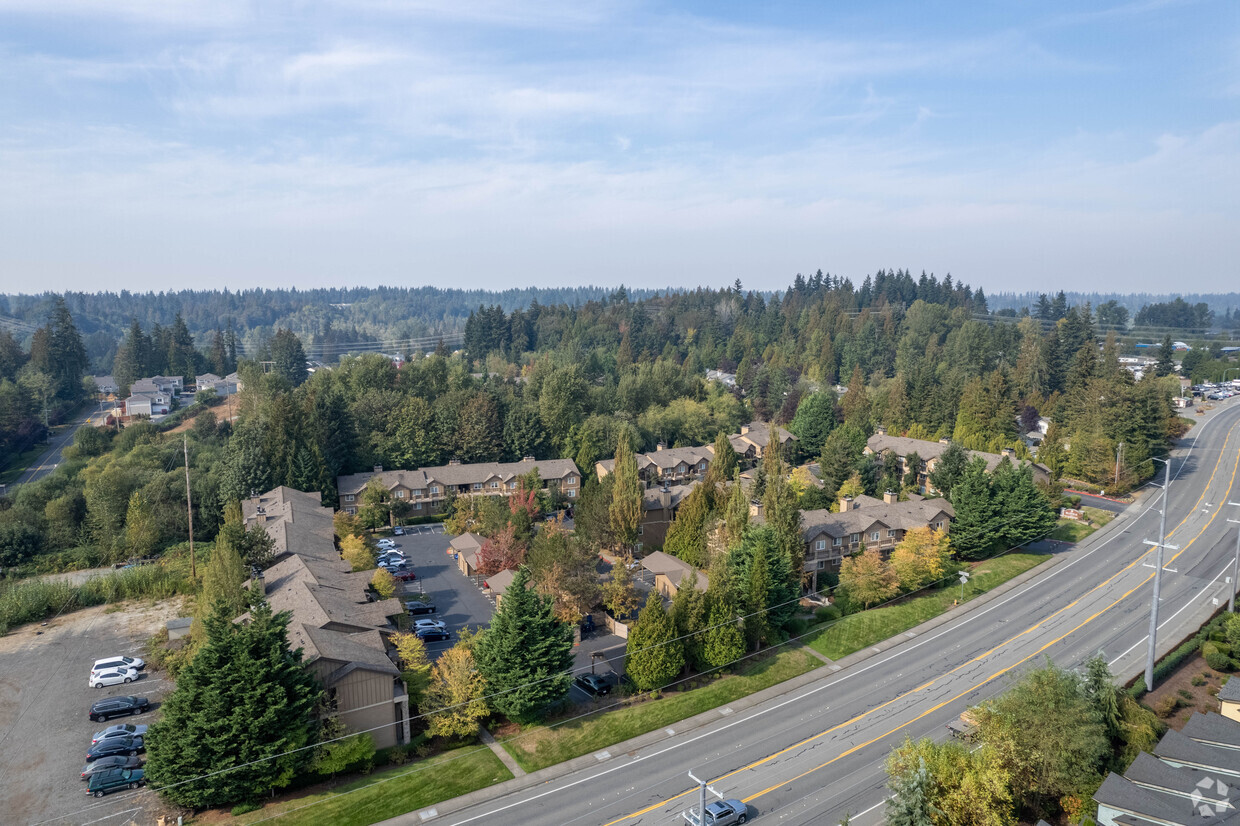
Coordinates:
[827,613]
[796,627]
[1198,680]
[1185,693]
[1166,706]
[1219,661]
[245,808]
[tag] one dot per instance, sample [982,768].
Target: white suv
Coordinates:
[114,663]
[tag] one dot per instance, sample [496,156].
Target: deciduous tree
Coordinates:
[454,698]
[921,558]
[867,579]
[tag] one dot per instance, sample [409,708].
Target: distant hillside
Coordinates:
[1220,303]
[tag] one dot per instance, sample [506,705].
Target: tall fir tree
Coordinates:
[625,509]
[654,655]
[976,524]
[237,725]
[526,653]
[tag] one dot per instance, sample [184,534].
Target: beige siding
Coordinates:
[366,700]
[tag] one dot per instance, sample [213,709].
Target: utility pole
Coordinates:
[1158,566]
[189,509]
[1235,565]
[1118,454]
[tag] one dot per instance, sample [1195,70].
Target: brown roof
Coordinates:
[676,570]
[466,542]
[666,459]
[295,520]
[903,446]
[458,474]
[363,649]
[898,516]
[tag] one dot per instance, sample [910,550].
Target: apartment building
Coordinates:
[751,443]
[866,522]
[665,465]
[671,573]
[930,452]
[659,506]
[341,632]
[428,489]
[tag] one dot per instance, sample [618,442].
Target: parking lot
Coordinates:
[459,601]
[44,728]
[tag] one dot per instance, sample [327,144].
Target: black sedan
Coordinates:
[414,607]
[116,706]
[432,634]
[593,684]
[125,744]
[116,761]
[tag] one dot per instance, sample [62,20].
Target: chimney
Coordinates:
[890,497]
[755,509]
[659,446]
[945,441]
[744,429]
[454,461]
[846,504]
[378,468]
[881,430]
[1007,451]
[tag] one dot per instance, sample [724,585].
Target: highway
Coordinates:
[814,753]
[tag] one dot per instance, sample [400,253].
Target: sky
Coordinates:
[1016,144]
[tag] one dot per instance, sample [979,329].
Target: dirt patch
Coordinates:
[137,619]
[1177,698]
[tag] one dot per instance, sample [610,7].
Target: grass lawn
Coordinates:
[540,747]
[391,792]
[1072,530]
[861,630]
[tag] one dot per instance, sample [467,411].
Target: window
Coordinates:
[417,506]
[477,486]
[400,494]
[855,538]
[938,526]
[348,497]
[820,544]
[702,466]
[891,534]
[641,529]
[836,541]
[875,535]
[434,489]
[570,480]
[512,485]
[495,484]
[420,492]
[572,494]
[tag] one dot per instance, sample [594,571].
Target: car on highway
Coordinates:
[117,676]
[127,744]
[116,761]
[116,706]
[119,730]
[114,779]
[594,684]
[113,663]
[432,634]
[720,813]
[429,623]
[416,607]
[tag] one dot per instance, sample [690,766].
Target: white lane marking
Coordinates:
[1170,618]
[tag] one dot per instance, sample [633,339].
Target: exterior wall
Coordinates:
[366,700]
[653,528]
[431,501]
[1230,710]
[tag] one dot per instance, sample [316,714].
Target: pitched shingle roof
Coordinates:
[458,474]
[903,446]
[363,650]
[899,516]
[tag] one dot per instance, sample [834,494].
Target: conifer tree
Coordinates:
[625,509]
[526,653]
[689,618]
[976,524]
[949,469]
[654,655]
[909,804]
[243,706]
[686,537]
[724,641]
[736,519]
[222,581]
[141,532]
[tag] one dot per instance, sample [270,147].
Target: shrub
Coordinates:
[827,613]
[1218,661]
[1166,706]
[1185,693]
[244,808]
[1198,680]
[796,627]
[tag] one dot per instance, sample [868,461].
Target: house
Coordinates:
[466,548]
[1193,777]
[341,632]
[497,585]
[752,441]
[659,506]
[728,380]
[866,522]
[171,385]
[428,490]
[155,403]
[105,385]
[930,452]
[221,386]
[670,573]
[666,465]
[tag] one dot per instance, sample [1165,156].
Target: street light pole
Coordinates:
[1235,565]
[1158,566]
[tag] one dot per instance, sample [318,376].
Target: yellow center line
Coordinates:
[979,657]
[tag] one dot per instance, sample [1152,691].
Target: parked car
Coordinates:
[415,607]
[113,779]
[119,730]
[98,679]
[393,554]
[587,624]
[398,531]
[113,663]
[720,813]
[386,544]
[432,634]
[429,623]
[594,684]
[116,761]
[403,574]
[116,706]
[127,744]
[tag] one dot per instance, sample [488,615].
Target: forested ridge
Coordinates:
[918,356]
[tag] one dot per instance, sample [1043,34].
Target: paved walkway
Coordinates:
[501,753]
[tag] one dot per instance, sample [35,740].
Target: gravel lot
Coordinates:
[460,602]
[44,730]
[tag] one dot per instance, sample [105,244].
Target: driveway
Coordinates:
[44,728]
[460,602]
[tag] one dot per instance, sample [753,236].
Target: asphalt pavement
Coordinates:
[51,457]
[811,750]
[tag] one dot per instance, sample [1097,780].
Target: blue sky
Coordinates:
[148,144]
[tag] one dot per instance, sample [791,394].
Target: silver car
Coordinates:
[720,813]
